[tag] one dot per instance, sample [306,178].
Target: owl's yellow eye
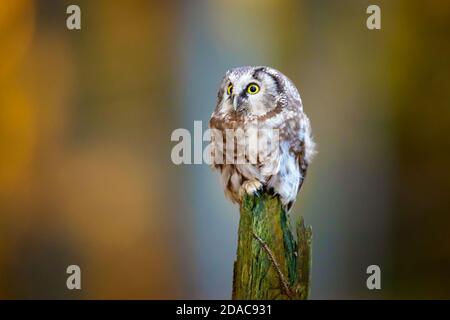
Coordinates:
[230,89]
[253,88]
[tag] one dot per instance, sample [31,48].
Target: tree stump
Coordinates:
[270,263]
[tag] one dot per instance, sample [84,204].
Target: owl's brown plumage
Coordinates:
[258,108]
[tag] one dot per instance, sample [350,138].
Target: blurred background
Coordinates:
[86,116]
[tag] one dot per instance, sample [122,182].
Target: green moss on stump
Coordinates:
[270,263]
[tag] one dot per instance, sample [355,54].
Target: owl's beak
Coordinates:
[237,102]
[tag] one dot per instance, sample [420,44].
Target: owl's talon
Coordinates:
[250,187]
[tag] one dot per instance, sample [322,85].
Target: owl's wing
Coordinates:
[303,167]
[300,141]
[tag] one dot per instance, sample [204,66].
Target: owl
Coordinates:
[260,137]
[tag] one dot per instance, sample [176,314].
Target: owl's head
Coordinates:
[251,90]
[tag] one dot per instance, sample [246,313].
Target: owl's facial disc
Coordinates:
[249,90]
[242,98]
[240,94]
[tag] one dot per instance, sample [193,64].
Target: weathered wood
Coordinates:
[270,263]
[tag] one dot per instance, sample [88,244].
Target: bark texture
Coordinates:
[271,263]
